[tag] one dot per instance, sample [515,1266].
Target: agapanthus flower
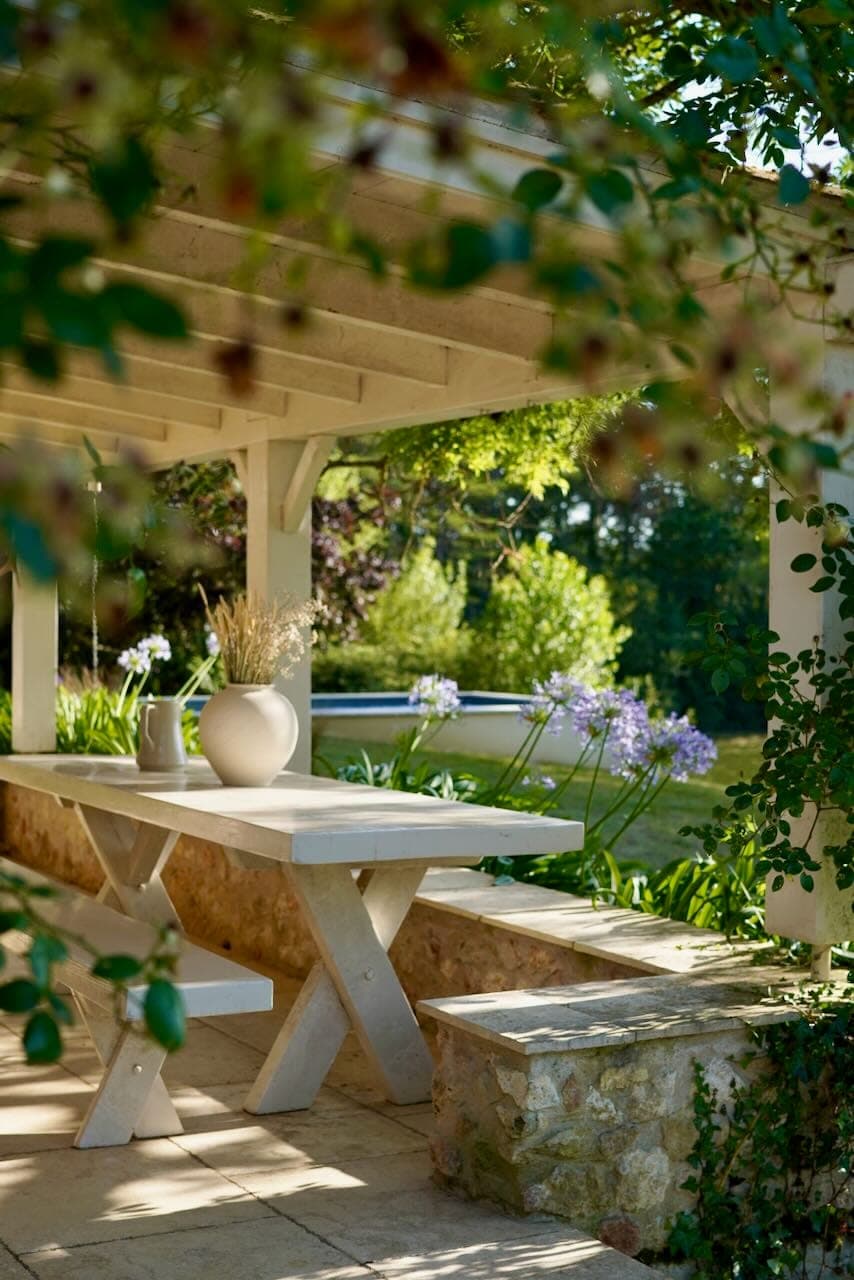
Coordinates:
[135,661]
[435,697]
[211,642]
[682,748]
[157,647]
[550,700]
[669,744]
[596,711]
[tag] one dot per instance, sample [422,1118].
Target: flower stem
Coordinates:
[589,805]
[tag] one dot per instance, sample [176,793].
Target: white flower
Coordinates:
[435,697]
[211,642]
[157,647]
[135,661]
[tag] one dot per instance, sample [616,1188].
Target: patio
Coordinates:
[345,1190]
[339,1193]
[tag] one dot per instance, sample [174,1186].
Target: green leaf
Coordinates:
[75,318]
[733,59]
[118,968]
[42,360]
[12,920]
[164,1014]
[803,563]
[677,61]
[45,951]
[467,254]
[537,187]
[693,127]
[824,584]
[788,138]
[62,1009]
[793,187]
[124,180]
[610,191]
[807,882]
[720,680]
[511,240]
[569,278]
[42,1041]
[54,255]
[19,996]
[149,312]
[818,15]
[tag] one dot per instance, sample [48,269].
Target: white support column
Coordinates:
[801,617]
[280,476]
[35,657]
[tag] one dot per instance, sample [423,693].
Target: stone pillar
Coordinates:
[801,617]
[279,477]
[35,656]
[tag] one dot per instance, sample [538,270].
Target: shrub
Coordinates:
[415,623]
[544,614]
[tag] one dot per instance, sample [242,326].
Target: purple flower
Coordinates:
[611,711]
[667,745]
[550,701]
[435,698]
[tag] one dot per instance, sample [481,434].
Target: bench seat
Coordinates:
[131,1098]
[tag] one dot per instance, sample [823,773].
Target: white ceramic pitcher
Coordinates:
[161,742]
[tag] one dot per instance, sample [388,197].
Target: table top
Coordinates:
[299,818]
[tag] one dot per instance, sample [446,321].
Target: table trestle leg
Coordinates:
[132,856]
[354,984]
[131,1098]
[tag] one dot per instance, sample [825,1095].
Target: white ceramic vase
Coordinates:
[248,733]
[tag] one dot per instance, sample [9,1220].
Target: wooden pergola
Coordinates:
[371,356]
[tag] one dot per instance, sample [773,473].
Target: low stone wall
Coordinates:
[256,916]
[579,1102]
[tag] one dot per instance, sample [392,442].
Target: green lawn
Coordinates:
[654,838]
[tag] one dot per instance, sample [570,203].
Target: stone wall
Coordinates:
[599,1136]
[256,916]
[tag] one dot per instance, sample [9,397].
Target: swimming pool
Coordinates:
[488,724]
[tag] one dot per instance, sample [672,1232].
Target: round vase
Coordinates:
[248,734]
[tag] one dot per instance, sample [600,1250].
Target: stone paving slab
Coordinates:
[10,1267]
[377,1209]
[61,1198]
[289,1142]
[272,1249]
[559,1252]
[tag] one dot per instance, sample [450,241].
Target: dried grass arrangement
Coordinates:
[259,639]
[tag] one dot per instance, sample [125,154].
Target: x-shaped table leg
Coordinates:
[353,985]
[132,856]
[131,1098]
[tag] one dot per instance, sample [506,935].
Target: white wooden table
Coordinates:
[323,829]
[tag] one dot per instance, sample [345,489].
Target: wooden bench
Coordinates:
[131,1099]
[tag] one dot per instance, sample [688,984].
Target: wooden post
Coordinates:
[35,657]
[279,480]
[801,618]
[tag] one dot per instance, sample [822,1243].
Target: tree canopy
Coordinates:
[657,117]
